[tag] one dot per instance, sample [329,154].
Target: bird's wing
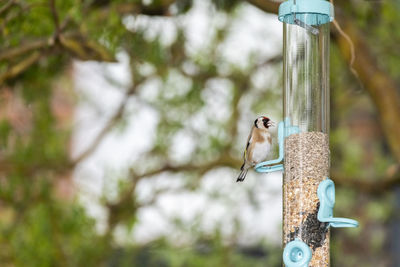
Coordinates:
[249,140]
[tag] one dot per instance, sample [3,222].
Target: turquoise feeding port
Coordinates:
[326,195]
[284,130]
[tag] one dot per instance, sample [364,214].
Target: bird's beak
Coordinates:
[271,123]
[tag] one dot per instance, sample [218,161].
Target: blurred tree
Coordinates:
[41,224]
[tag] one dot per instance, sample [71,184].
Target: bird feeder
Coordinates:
[303,136]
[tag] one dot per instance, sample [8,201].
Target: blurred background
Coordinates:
[122,127]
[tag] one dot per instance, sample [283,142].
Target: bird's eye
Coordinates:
[265,122]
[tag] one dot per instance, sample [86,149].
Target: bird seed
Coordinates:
[306,165]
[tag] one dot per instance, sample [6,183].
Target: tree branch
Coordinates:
[379,85]
[136,8]
[374,187]
[126,202]
[225,160]
[21,66]
[266,5]
[56,19]
[107,128]
[25,48]
[7,6]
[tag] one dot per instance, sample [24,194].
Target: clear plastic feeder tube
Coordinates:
[306,107]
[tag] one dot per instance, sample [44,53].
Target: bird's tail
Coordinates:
[242,174]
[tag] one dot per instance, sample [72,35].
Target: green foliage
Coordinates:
[205,252]
[5,131]
[225,4]
[49,233]
[183,5]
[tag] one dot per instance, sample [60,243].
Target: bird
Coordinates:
[258,145]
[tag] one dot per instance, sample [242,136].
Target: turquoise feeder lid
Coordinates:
[311,12]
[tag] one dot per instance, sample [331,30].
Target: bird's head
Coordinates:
[263,123]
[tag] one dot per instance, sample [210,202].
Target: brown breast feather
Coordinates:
[257,138]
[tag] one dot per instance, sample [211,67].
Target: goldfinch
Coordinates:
[258,145]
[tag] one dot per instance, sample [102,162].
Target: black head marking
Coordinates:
[265,122]
[255,123]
